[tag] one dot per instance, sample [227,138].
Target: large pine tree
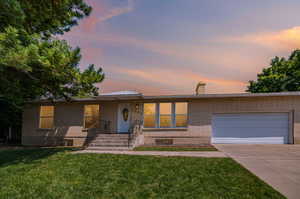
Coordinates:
[33,63]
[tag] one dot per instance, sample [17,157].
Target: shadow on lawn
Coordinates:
[26,156]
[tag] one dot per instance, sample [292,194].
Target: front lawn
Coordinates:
[56,173]
[156,148]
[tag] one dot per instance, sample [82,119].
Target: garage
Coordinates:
[250,128]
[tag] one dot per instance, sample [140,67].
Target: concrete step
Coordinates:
[107,145]
[112,135]
[108,148]
[110,138]
[109,142]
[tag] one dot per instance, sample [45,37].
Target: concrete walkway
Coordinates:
[207,154]
[278,165]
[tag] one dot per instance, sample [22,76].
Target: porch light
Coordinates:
[137,108]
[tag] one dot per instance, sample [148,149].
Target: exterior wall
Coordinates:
[68,124]
[68,120]
[109,112]
[136,112]
[200,112]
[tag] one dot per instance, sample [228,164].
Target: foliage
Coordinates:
[282,75]
[8,108]
[31,67]
[52,173]
[45,17]
[33,63]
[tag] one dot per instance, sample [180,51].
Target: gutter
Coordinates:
[139,97]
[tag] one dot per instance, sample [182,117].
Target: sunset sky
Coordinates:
[161,47]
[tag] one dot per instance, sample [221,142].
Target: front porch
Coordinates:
[120,132]
[165,125]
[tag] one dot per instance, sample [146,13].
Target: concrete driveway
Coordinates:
[277,165]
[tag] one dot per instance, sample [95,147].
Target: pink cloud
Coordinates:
[111,85]
[209,56]
[180,80]
[286,39]
[102,12]
[176,81]
[91,54]
[225,66]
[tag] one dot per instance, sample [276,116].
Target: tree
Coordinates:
[282,75]
[31,67]
[34,64]
[47,17]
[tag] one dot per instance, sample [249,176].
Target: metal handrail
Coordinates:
[104,125]
[134,130]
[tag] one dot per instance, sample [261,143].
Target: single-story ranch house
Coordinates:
[130,119]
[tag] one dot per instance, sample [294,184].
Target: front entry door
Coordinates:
[124,114]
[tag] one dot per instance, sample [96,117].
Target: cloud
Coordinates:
[111,85]
[101,12]
[286,39]
[117,11]
[118,78]
[176,80]
[223,70]
[202,55]
[91,54]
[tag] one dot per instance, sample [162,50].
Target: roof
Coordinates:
[230,95]
[122,93]
[132,95]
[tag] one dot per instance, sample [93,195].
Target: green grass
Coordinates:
[56,173]
[146,148]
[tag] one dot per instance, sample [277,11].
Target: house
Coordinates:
[130,119]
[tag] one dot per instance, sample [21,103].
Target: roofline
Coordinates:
[229,95]
[170,97]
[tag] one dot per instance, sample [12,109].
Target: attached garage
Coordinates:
[250,128]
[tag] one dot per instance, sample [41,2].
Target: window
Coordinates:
[91,116]
[149,115]
[165,115]
[46,117]
[181,114]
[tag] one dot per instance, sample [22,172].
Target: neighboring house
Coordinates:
[130,118]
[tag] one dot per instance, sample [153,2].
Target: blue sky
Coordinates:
[167,46]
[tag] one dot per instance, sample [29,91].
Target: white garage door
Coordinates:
[252,128]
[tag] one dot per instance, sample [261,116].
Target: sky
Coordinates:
[165,47]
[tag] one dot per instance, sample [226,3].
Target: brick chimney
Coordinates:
[200,88]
